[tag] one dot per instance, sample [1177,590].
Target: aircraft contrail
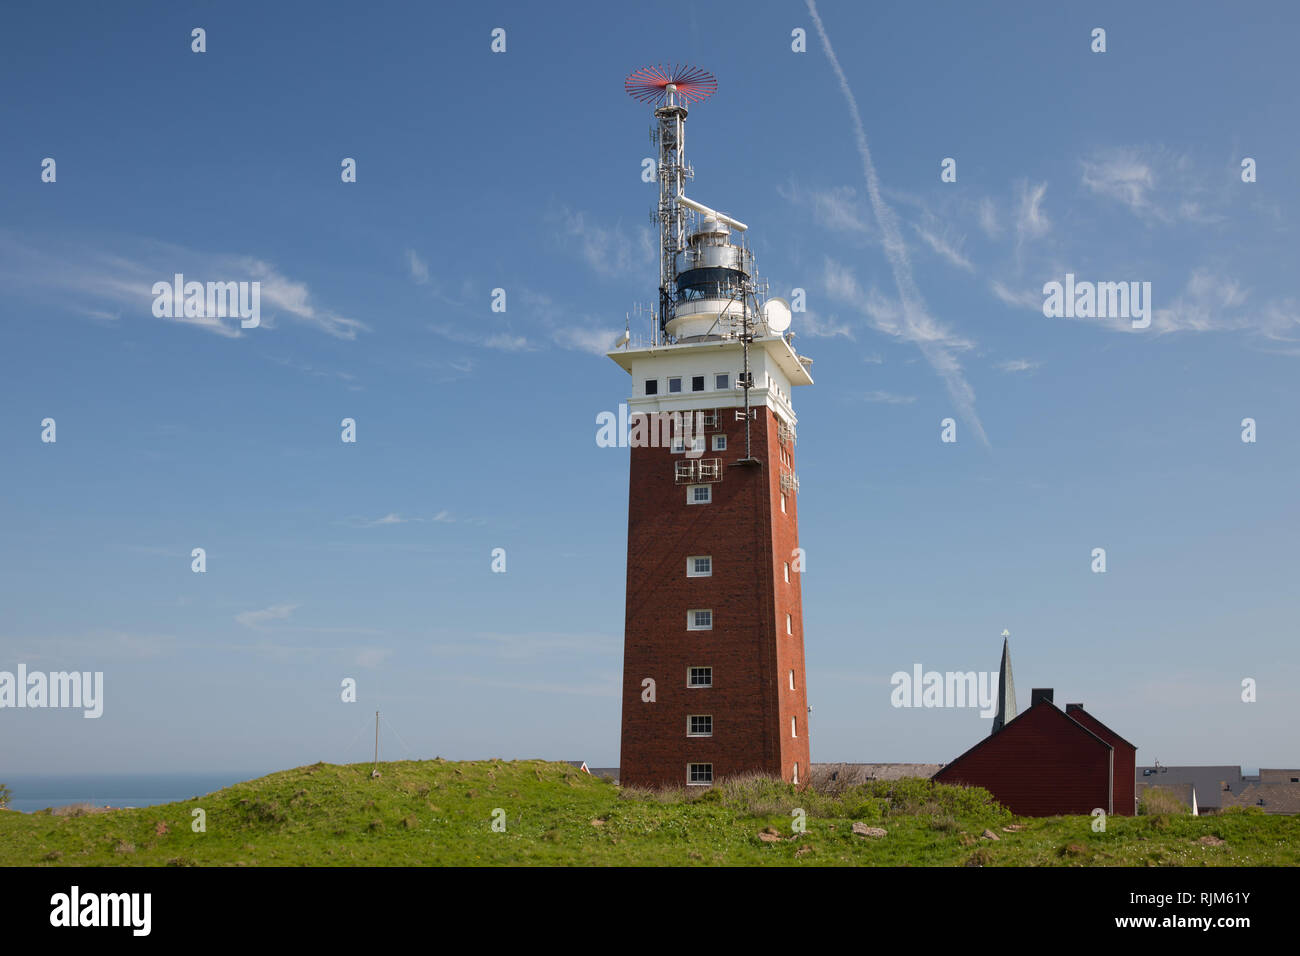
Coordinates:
[920,328]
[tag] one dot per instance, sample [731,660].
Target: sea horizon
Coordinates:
[31,792]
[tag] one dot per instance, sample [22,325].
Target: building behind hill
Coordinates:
[1049,762]
[1213,788]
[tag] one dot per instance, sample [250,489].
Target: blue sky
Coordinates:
[476,429]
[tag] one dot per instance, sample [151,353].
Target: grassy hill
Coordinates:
[436,812]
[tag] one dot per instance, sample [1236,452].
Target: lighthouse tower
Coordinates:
[713,660]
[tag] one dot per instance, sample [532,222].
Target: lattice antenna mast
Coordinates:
[671,88]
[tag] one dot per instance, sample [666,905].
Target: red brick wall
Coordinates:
[1041,764]
[1125,788]
[787,599]
[751,655]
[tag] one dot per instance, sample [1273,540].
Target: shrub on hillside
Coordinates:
[920,796]
[1158,800]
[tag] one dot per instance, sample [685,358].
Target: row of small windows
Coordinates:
[697,444]
[721,382]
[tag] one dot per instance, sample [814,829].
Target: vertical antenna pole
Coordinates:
[376,740]
[745,337]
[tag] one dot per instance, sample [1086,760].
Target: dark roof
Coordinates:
[605,773]
[1093,717]
[1275,797]
[1268,775]
[1208,781]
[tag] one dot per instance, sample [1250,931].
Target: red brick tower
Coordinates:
[713,668]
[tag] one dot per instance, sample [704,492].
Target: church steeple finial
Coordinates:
[1006,688]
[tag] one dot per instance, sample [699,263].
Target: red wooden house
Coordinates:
[1049,762]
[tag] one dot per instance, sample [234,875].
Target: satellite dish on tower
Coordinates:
[776,313]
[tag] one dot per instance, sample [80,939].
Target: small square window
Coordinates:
[697,444]
[652,386]
[679,446]
[719,442]
[699,566]
[699,494]
[675,384]
[699,677]
[699,620]
[699,725]
[699,774]
[722,380]
[697,383]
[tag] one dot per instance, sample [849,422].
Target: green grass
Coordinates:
[436,812]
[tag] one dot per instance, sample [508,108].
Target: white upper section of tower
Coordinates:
[707,374]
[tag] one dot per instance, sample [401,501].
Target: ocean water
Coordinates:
[36,791]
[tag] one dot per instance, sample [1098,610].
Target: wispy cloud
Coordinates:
[86,280]
[987,214]
[1031,219]
[499,341]
[259,619]
[1206,304]
[837,208]
[888,315]
[944,247]
[1122,177]
[818,326]
[918,325]
[888,398]
[1024,298]
[1153,184]
[419,268]
[1018,365]
[312,370]
[567,328]
[294,298]
[394,518]
[609,251]
[530,644]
